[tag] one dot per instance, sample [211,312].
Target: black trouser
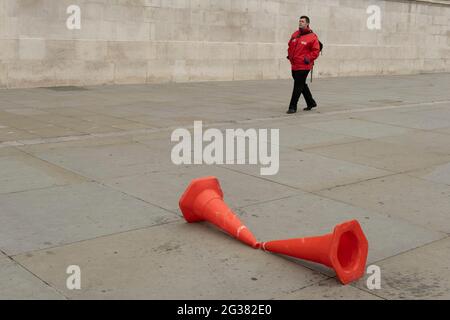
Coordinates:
[300,86]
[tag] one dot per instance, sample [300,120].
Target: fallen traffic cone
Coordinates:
[344,250]
[203,200]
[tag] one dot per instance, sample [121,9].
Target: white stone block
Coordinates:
[130,71]
[32,49]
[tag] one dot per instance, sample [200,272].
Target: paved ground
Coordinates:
[86,179]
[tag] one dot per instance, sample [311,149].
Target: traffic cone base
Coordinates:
[345,250]
[195,188]
[349,251]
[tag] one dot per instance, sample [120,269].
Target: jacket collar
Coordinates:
[304,31]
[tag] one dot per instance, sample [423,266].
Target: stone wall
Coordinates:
[145,41]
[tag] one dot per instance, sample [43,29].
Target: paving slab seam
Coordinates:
[311,151]
[94,238]
[304,287]
[39,188]
[385,176]
[403,127]
[11,258]
[5,254]
[355,182]
[92,180]
[382,214]
[120,176]
[359,137]
[155,130]
[369,292]
[88,179]
[262,178]
[324,280]
[307,149]
[337,281]
[87,136]
[347,111]
[267,201]
[405,252]
[304,190]
[380,108]
[43,281]
[299,263]
[407,172]
[21,143]
[352,285]
[175,213]
[311,284]
[424,179]
[43,188]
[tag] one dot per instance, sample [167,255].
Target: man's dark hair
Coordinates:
[306,18]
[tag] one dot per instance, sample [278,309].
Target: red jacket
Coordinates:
[303,48]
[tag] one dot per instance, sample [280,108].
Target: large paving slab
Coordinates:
[21,122]
[83,124]
[293,135]
[428,141]
[328,290]
[165,188]
[313,172]
[358,128]
[423,273]
[406,120]
[40,145]
[24,172]
[421,202]
[174,261]
[440,112]
[307,215]
[107,161]
[17,283]
[383,155]
[50,217]
[439,174]
[301,138]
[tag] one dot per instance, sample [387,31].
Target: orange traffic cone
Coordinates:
[203,200]
[344,250]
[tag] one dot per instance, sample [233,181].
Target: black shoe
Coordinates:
[309,108]
[291,111]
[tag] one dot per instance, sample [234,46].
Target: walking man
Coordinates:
[304,48]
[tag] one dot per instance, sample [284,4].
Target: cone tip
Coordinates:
[245,235]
